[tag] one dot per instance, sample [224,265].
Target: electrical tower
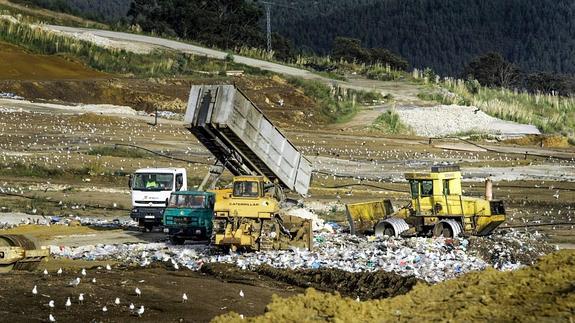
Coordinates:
[268,6]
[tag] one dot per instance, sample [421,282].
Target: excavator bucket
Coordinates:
[19,253]
[362,217]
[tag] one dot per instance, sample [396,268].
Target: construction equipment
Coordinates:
[437,208]
[19,253]
[264,162]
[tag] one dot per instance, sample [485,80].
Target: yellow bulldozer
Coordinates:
[437,208]
[249,216]
[19,253]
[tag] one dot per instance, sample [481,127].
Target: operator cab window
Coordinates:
[445,187]
[421,188]
[246,189]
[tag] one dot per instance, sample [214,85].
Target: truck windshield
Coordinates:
[186,201]
[153,182]
[246,189]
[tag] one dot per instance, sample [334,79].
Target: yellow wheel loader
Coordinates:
[19,253]
[437,208]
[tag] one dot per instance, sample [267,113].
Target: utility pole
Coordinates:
[268,6]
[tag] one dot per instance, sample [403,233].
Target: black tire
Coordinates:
[148,227]
[446,232]
[177,241]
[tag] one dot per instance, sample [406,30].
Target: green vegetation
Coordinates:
[444,35]
[108,11]
[118,152]
[156,63]
[337,104]
[389,122]
[549,113]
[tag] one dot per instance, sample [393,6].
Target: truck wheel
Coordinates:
[389,232]
[177,241]
[148,227]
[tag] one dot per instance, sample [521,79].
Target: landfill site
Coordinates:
[231,201]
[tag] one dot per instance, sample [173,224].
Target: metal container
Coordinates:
[240,136]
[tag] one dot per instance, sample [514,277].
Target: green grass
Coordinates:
[337,104]
[389,122]
[549,113]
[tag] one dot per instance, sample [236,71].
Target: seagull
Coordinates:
[94,280]
[51,318]
[104,309]
[75,282]
[35,290]
[108,267]
[45,272]
[132,306]
[184,298]
[241,293]
[138,292]
[357,299]
[51,304]
[81,298]
[59,272]
[117,301]
[83,272]
[141,310]
[68,303]
[556,195]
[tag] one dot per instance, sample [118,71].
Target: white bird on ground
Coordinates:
[59,272]
[81,298]
[83,272]
[556,195]
[241,293]
[132,306]
[108,267]
[117,301]
[35,290]
[51,318]
[45,272]
[94,280]
[141,310]
[104,309]
[357,299]
[51,304]
[184,298]
[138,292]
[75,282]
[68,303]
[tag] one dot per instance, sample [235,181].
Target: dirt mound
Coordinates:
[374,285]
[365,285]
[551,141]
[545,291]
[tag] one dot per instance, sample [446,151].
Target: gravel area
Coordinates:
[444,120]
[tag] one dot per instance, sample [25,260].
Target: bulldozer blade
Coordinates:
[362,217]
[19,253]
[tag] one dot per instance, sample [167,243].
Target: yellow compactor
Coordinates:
[437,208]
[19,253]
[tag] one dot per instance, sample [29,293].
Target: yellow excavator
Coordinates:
[19,253]
[265,164]
[437,208]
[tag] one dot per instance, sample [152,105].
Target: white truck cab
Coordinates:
[151,189]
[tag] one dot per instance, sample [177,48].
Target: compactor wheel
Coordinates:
[14,240]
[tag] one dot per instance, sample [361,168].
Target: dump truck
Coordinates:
[189,216]
[437,208]
[265,166]
[18,252]
[150,189]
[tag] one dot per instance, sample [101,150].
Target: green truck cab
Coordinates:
[189,216]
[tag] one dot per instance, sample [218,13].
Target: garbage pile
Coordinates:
[430,259]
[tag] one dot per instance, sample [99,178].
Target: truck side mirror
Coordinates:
[130,181]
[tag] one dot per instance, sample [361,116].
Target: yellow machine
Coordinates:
[248,216]
[19,253]
[437,208]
